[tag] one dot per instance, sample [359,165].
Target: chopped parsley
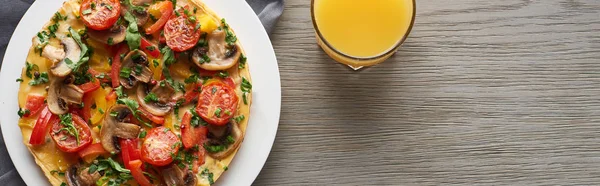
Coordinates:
[83,57]
[229,36]
[58,17]
[86,12]
[246,88]
[23,112]
[168,56]
[133,106]
[38,80]
[29,67]
[66,120]
[239,118]
[223,74]
[132,36]
[151,97]
[196,119]
[218,112]
[142,134]
[242,61]
[125,72]
[208,175]
[120,93]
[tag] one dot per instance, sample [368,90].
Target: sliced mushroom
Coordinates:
[53,53]
[141,16]
[222,55]
[163,91]
[72,52]
[78,176]
[218,136]
[117,126]
[175,176]
[112,36]
[61,93]
[137,62]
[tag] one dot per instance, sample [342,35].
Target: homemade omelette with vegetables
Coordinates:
[134,92]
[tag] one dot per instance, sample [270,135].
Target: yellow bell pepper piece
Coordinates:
[207,23]
[100,99]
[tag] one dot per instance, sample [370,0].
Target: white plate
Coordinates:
[264,113]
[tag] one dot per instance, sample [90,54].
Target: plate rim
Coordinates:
[16,148]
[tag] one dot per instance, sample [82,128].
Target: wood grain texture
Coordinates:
[482,93]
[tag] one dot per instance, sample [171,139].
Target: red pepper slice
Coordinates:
[112,96]
[166,9]
[41,126]
[35,103]
[200,160]
[129,151]
[116,65]
[191,136]
[152,117]
[92,150]
[90,86]
[149,48]
[192,94]
[137,173]
[96,74]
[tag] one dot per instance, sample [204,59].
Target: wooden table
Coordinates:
[483,92]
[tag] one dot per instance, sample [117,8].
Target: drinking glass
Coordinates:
[353,61]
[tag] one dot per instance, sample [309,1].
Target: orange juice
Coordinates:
[362,29]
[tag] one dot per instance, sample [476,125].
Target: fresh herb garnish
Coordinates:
[223,74]
[132,36]
[133,106]
[208,175]
[242,61]
[239,118]
[246,88]
[66,120]
[41,79]
[229,36]
[151,97]
[22,112]
[83,57]
[142,134]
[125,72]
[218,112]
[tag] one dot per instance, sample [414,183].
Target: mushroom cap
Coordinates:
[60,95]
[141,17]
[77,177]
[164,94]
[72,52]
[175,176]
[116,127]
[135,59]
[222,55]
[221,133]
[117,33]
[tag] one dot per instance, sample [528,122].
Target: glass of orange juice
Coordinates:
[362,33]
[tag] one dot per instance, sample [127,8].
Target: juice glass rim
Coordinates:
[386,53]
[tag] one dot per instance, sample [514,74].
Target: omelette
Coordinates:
[134,92]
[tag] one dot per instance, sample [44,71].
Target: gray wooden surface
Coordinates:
[482,93]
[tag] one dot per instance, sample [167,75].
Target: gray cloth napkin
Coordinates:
[11,12]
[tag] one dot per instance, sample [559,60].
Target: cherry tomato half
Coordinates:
[180,33]
[217,103]
[68,142]
[158,146]
[100,14]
